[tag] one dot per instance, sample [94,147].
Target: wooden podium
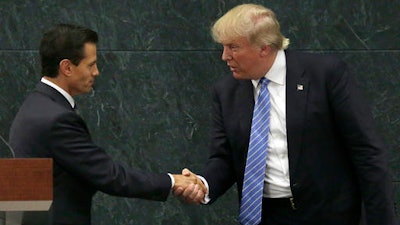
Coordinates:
[26,184]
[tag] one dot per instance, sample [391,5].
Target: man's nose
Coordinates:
[96,71]
[226,54]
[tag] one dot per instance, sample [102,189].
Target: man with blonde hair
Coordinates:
[292,131]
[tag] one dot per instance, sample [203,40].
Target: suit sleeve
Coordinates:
[72,148]
[219,171]
[368,153]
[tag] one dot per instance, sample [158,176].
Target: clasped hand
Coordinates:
[189,188]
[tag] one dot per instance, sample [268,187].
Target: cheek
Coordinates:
[242,58]
[245,62]
[86,74]
[84,77]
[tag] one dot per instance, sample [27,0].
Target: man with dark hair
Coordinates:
[46,125]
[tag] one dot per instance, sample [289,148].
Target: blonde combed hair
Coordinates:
[255,22]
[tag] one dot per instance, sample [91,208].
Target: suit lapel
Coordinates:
[297,86]
[245,104]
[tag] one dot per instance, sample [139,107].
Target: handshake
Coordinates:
[189,187]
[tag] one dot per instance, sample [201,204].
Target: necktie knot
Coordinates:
[263,82]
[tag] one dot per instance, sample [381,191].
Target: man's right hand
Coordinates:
[189,187]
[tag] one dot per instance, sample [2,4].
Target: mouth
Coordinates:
[231,67]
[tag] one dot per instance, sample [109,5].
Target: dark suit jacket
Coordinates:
[336,158]
[47,126]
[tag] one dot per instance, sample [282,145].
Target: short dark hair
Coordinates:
[64,41]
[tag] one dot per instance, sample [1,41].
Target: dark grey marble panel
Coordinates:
[184,25]
[18,72]
[157,105]
[341,24]
[151,110]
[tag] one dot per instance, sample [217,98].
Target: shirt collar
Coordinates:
[278,68]
[62,91]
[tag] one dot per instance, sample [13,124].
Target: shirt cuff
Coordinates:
[172,180]
[206,199]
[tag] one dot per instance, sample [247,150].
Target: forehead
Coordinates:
[90,50]
[89,47]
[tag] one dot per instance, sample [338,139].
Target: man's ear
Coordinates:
[65,67]
[265,50]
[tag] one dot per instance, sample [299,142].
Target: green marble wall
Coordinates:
[150,108]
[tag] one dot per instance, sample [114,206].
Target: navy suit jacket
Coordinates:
[47,126]
[336,158]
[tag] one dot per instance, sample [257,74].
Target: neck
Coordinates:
[271,59]
[58,82]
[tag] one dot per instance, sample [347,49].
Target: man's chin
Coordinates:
[88,90]
[238,76]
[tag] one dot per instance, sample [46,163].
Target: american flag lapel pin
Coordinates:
[300,87]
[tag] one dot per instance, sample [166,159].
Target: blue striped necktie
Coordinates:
[253,184]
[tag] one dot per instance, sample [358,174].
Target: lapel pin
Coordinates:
[300,87]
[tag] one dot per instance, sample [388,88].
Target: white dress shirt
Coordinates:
[276,181]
